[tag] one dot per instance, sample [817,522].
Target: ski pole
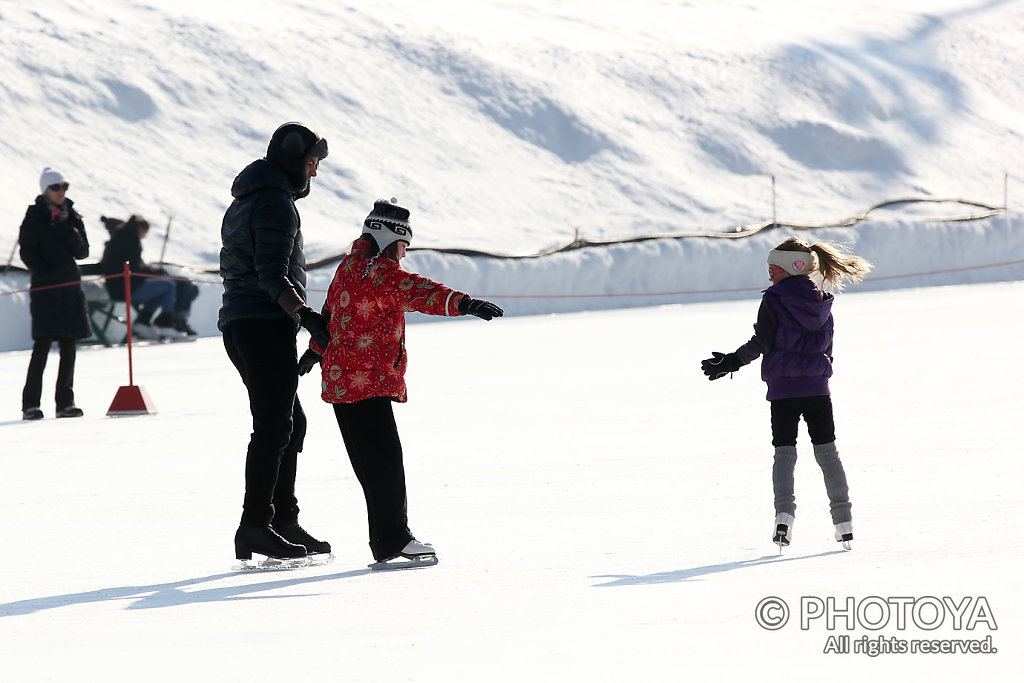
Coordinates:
[10,259]
[167,234]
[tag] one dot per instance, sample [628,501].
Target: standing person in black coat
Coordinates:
[52,236]
[264,303]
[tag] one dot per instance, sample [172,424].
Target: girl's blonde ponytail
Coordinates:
[836,265]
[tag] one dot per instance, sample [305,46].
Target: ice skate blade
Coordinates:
[272,564]
[846,545]
[404,563]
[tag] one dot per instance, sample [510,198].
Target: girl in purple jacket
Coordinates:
[794,334]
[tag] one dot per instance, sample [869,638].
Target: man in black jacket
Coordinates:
[264,303]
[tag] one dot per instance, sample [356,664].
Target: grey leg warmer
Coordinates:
[835,481]
[782,479]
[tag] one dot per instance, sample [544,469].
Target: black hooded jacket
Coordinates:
[262,252]
[125,245]
[49,247]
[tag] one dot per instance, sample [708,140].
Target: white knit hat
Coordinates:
[794,262]
[49,177]
[388,222]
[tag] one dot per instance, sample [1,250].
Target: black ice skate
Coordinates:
[293,533]
[280,554]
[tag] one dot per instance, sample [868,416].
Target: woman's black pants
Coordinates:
[371,438]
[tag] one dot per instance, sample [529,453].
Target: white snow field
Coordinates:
[602,512]
[510,126]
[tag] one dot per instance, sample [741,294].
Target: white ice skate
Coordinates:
[145,331]
[170,333]
[414,554]
[783,529]
[844,534]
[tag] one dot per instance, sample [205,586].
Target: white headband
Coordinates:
[794,262]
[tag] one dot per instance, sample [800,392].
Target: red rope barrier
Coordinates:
[100,278]
[605,295]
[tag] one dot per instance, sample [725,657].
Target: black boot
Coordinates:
[293,533]
[265,541]
[181,325]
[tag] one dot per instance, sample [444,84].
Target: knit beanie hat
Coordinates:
[49,177]
[387,223]
[290,147]
[794,262]
[136,221]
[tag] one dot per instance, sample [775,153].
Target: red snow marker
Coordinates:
[130,400]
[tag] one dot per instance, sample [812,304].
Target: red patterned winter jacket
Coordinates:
[367,302]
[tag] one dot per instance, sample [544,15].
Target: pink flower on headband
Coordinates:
[799,265]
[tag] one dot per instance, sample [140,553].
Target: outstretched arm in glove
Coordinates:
[480,308]
[720,364]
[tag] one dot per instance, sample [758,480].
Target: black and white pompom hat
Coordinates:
[388,223]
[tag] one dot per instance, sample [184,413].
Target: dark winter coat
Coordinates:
[262,252]
[794,331]
[49,248]
[125,245]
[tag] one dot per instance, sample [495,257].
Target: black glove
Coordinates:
[720,364]
[308,360]
[316,324]
[479,308]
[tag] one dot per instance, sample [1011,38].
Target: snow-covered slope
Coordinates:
[511,126]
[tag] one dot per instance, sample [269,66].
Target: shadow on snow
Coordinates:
[172,594]
[697,572]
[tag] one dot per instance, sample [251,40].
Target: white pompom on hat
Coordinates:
[387,223]
[794,262]
[49,177]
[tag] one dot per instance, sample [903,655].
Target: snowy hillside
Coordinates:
[511,126]
[601,511]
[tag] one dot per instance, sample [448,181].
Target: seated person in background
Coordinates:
[173,298]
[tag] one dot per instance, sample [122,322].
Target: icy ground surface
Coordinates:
[602,512]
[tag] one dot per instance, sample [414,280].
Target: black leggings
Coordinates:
[263,352]
[371,439]
[817,412]
[33,392]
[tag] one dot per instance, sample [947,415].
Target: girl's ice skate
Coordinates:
[414,554]
[844,534]
[783,529]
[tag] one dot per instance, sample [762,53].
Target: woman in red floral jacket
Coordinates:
[363,367]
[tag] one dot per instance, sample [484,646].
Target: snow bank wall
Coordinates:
[904,253]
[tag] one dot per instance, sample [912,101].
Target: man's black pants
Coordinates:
[263,352]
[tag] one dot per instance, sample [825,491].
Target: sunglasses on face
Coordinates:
[59,187]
